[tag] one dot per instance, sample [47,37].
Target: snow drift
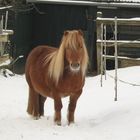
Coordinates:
[97,116]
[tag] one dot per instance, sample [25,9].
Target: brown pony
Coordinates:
[57,73]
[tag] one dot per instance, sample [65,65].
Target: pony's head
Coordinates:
[75,50]
[72,52]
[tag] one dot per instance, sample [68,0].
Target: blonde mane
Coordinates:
[56,59]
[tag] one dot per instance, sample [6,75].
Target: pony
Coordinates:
[56,73]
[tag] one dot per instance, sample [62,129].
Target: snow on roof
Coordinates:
[104,3]
[132,1]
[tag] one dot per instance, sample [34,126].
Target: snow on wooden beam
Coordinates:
[120,21]
[124,43]
[120,57]
[6,7]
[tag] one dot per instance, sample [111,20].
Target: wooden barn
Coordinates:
[44,21]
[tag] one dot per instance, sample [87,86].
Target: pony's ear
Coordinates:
[66,33]
[81,32]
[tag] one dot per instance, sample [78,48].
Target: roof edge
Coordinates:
[87,3]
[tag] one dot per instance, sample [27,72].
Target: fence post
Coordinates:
[101,54]
[116,60]
[98,25]
[1,32]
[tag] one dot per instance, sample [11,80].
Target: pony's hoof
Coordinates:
[70,123]
[58,123]
[35,117]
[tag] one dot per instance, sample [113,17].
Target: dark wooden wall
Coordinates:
[46,23]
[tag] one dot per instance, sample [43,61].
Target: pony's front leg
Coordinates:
[72,106]
[58,107]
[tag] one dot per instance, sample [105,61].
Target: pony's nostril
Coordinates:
[75,65]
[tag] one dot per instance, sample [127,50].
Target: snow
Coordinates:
[97,117]
[130,0]
[6,62]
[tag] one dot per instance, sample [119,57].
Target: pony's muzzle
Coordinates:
[75,66]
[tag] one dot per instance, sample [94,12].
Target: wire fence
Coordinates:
[104,44]
[123,81]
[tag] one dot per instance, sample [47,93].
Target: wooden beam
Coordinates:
[98,27]
[4,37]
[110,21]
[9,32]
[120,43]
[120,57]
[3,59]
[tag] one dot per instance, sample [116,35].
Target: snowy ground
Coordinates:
[97,116]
